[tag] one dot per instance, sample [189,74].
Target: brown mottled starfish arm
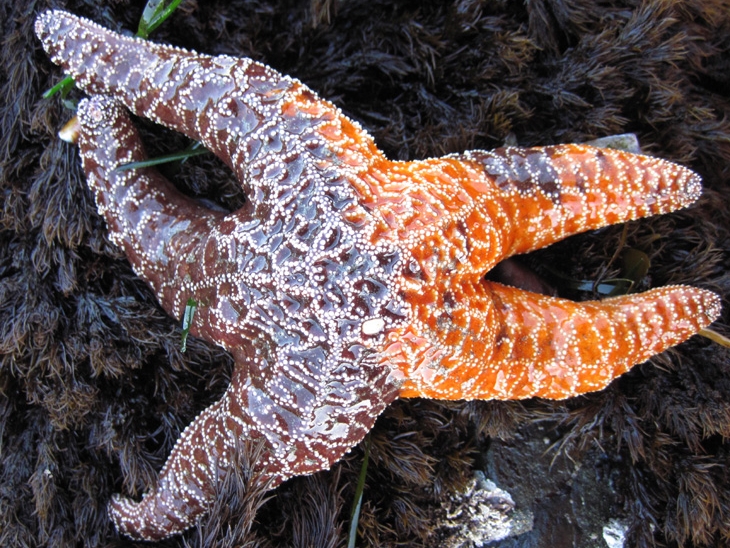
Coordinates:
[235,106]
[145,79]
[157,226]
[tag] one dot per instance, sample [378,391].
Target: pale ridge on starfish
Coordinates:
[349,280]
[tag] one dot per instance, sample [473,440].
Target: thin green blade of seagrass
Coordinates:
[357,502]
[187,322]
[62,87]
[155,13]
[636,265]
[194,149]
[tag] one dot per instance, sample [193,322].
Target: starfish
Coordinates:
[348,280]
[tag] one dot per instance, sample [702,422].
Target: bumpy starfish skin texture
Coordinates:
[349,280]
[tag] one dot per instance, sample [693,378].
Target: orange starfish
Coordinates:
[349,280]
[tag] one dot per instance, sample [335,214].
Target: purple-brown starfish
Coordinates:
[349,280]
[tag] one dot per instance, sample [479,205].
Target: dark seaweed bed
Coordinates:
[94,388]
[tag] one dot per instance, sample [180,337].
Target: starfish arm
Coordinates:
[187,482]
[168,85]
[477,208]
[500,342]
[305,426]
[239,109]
[155,224]
[538,196]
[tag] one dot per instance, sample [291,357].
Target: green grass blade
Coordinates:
[187,322]
[357,502]
[63,87]
[196,149]
[155,13]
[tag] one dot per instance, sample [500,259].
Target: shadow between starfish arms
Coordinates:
[349,280]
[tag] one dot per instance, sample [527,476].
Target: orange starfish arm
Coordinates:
[486,206]
[486,340]
[460,215]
